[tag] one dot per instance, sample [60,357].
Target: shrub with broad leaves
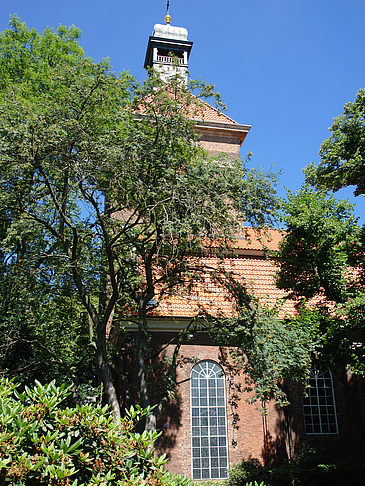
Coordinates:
[43,443]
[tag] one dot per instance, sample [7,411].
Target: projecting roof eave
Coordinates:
[234,129]
[157,323]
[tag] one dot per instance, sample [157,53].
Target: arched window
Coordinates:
[319,406]
[208,419]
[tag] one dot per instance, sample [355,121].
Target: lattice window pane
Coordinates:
[319,406]
[209,428]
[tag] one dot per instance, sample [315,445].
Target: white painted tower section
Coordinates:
[168,50]
[169,31]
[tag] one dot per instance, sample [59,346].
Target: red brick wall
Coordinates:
[246,425]
[217,144]
[215,147]
[270,438]
[349,394]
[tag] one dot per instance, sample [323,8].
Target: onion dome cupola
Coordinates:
[168,50]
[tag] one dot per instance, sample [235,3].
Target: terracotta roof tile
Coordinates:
[250,266]
[199,110]
[256,272]
[252,239]
[255,239]
[202,111]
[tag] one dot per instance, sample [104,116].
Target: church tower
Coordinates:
[168,50]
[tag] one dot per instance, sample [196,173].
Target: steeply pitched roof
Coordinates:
[252,239]
[211,121]
[250,264]
[204,112]
[257,272]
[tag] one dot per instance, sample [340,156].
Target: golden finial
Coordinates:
[168,17]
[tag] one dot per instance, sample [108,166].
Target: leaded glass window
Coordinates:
[319,406]
[208,419]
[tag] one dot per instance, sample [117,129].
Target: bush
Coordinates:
[317,467]
[248,470]
[211,482]
[255,484]
[310,467]
[42,443]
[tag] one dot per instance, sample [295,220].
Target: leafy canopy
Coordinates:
[321,258]
[343,154]
[321,241]
[105,200]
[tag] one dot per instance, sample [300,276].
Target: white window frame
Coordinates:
[208,422]
[319,406]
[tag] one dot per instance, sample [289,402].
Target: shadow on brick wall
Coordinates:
[286,440]
[169,422]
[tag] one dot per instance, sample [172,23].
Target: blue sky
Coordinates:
[286,67]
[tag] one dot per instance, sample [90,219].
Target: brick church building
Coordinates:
[210,426]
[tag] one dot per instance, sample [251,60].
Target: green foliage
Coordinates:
[105,199]
[255,483]
[315,467]
[259,198]
[46,80]
[343,154]
[177,480]
[321,241]
[42,443]
[44,328]
[310,467]
[210,482]
[268,349]
[248,471]
[321,255]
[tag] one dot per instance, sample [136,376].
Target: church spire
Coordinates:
[168,49]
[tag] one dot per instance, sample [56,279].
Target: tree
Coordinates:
[51,94]
[343,154]
[44,329]
[322,240]
[266,347]
[105,192]
[321,258]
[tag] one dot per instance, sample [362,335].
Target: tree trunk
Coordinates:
[102,368]
[143,387]
[151,420]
